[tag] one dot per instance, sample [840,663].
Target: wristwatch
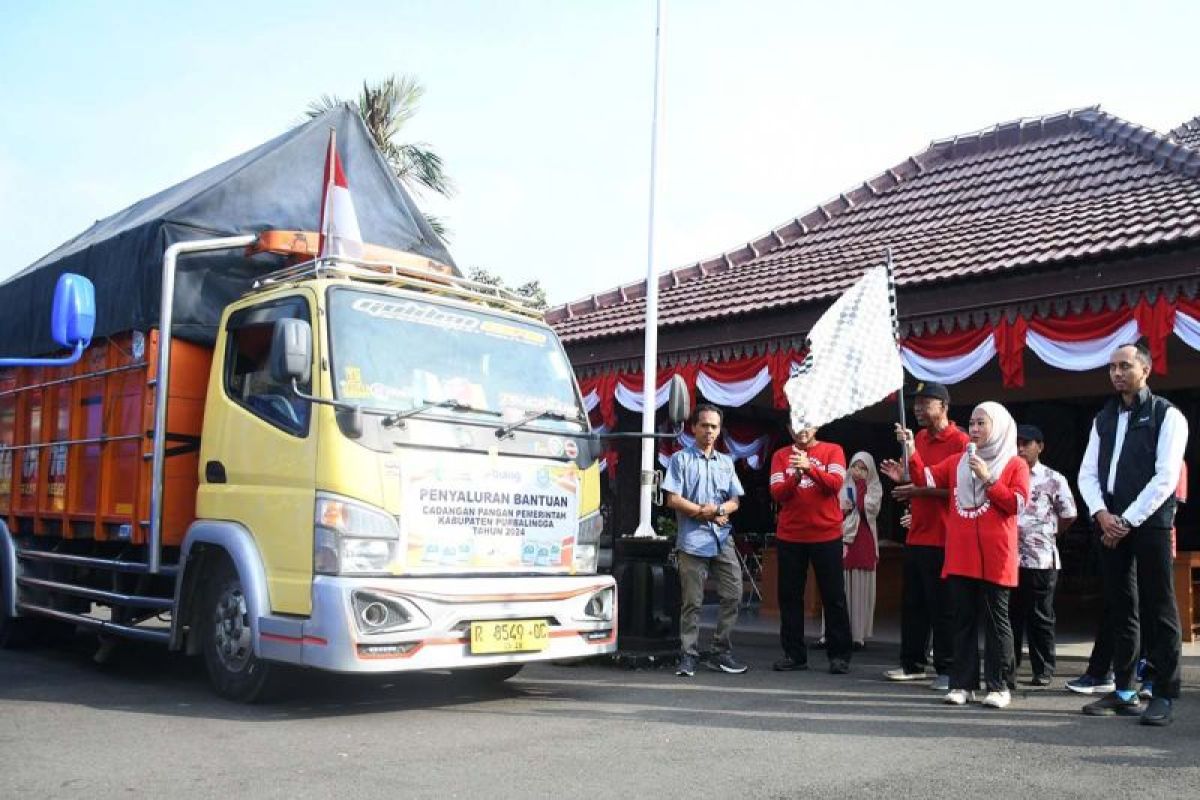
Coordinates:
[720,509]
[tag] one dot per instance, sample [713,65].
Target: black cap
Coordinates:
[930,389]
[1030,433]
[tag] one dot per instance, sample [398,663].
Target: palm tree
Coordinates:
[384,108]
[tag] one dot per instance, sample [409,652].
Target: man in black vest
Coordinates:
[1128,478]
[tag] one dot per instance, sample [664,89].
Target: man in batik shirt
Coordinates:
[1049,512]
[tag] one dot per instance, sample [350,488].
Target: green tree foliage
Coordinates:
[532,291]
[385,107]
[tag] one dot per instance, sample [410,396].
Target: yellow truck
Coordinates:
[377,467]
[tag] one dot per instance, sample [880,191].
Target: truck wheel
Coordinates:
[14,632]
[228,643]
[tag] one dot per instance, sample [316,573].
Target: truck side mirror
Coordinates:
[73,315]
[679,403]
[291,351]
[72,322]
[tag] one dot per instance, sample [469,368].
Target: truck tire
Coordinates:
[227,641]
[14,632]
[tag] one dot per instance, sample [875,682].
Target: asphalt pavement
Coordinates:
[147,725]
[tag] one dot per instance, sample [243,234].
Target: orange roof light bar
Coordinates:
[305,245]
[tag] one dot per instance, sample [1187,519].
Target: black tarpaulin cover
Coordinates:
[277,185]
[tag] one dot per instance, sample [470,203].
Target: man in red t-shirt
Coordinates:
[805,480]
[925,605]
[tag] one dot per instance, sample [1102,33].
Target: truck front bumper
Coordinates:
[436,633]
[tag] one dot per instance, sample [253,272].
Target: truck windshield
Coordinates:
[403,352]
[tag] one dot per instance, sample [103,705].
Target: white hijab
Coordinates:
[871,500]
[996,452]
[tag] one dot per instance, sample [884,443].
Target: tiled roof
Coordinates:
[1188,133]
[1027,193]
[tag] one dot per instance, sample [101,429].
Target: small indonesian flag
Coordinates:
[340,236]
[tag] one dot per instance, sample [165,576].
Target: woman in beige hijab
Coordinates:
[861,496]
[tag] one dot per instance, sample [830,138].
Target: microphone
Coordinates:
[970,449]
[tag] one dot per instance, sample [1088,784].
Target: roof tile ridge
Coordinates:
[1144,143]
[1022,130]
[1192,124]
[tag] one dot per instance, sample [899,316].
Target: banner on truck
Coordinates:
[464,513]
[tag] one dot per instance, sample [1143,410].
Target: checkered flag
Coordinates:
[853,361]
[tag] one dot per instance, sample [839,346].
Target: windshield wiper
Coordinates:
[532,417]
[396,420]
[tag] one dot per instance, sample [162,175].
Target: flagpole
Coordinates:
[896,335]
[330,155]
[650,356]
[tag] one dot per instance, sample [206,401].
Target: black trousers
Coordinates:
[925,608]
[1101,659]
[826,560]
[1140,564]
[973,598]
[1032,613]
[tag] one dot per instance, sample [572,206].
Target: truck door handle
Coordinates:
[214,472]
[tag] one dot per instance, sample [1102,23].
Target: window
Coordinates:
[248,380]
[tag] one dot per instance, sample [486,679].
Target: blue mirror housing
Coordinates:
[73,315]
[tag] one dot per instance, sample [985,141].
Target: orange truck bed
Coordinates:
[75,442]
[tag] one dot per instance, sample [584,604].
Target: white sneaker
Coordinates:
[958,697]
[941,683]
[899,674]
[998,699]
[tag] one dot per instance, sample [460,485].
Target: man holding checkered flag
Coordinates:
[852,362]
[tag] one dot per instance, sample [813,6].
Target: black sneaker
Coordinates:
[839,666]
[687,666]
[1158,712]
[1039,680]
[789,664]
[1113,704]
[725,662]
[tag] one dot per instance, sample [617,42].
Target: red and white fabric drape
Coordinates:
[728,383]
[948,357]
[1076,342]
[1187,322]
[741,441]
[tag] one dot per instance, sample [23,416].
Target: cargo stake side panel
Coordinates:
[74,442]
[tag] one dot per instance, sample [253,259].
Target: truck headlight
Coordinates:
[599,606]
[352,538]
[587,553]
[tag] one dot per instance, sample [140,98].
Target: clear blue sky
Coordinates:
[541,109]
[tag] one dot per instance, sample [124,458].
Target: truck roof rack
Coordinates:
[401,276]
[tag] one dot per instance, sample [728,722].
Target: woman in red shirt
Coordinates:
[988,484]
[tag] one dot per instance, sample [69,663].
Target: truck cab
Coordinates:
[415,489]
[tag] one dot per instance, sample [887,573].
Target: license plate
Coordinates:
[509,636]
